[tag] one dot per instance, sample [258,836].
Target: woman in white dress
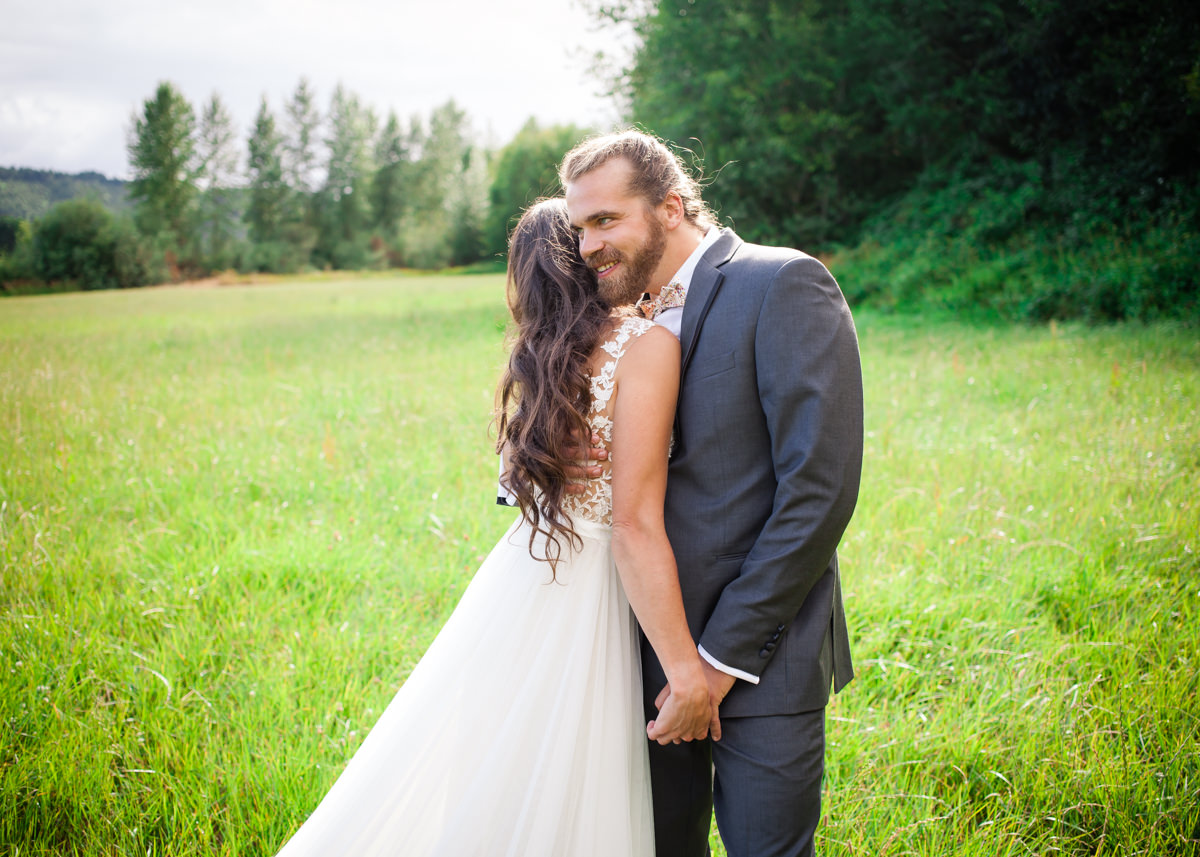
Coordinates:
[520,732]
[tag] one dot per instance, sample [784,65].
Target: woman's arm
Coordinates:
[647,384]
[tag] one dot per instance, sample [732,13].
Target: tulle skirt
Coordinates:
[519,733]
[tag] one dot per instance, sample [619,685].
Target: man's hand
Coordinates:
[588,459]
[719,684]
[684,716]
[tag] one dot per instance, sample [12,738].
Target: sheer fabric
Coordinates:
[520,732]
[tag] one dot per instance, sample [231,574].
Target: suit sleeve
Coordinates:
[810,387]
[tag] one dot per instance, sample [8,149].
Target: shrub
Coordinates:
[80,242]
[1001,244]
[16,267]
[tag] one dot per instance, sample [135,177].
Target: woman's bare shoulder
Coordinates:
[653,342]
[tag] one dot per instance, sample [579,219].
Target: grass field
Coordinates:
[231,519]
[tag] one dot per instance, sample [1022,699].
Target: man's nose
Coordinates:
[588,243]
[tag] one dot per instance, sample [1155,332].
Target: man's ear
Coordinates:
[671,210]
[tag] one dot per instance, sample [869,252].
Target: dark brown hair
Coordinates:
[657,170]
[545,391]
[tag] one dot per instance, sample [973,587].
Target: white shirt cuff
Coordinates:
[744,676]
[504,497]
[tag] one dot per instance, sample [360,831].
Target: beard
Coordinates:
[629,283]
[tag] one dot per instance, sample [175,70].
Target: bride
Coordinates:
[520,731]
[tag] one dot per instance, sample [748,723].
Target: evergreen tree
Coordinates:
[302,134]
[302,174]
[467,208]
[162,156]
[389,189]
[344,211]
[266,208]
[218,159]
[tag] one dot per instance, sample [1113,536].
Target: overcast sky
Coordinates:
[73,71]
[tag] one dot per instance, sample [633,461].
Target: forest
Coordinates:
[1020,159]
[27,194]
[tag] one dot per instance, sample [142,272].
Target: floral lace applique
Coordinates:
[595,503]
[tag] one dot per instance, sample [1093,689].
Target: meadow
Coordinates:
[232,519]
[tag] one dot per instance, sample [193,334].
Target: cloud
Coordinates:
[73,71]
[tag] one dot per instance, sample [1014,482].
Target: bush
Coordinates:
[16,267]
[80,242]
[426,245]
[134,262]
[269,257]
[998,241]
[10,228]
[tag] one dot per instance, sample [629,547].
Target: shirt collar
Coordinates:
[684,275]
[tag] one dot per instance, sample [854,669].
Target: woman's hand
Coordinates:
[686,715]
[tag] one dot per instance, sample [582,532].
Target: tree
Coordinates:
[444,223]
[9,229]
[218,162]
[821,114]
[16,253]
[162,156]
[302,128]
[266,209]
[389,190]
[343,208]
[28,194]
[301,169]
[770,116]
[525,170]
[467,207]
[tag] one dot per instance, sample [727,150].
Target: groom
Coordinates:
[762,483]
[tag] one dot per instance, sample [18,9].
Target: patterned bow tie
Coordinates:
[672,295]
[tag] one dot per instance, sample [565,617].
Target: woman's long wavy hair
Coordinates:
[545,391]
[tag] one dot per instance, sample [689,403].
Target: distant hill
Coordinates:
[28,194]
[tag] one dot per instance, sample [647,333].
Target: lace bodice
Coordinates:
[595,504]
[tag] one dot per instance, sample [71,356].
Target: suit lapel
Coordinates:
[706,282]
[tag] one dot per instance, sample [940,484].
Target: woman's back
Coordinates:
[595,502]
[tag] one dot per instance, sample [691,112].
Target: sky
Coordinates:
[73,72]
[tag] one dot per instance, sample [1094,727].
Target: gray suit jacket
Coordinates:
[765,472]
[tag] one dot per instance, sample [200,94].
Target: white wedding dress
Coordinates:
[520,732]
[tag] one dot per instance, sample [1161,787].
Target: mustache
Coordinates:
[599,261]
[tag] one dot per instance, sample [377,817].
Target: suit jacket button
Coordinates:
[764,653]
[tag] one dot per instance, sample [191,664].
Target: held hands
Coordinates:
[683,715]
[717,684]
[588,458]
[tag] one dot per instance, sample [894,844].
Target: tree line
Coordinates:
[1029,159]
[308,188]
[27,194]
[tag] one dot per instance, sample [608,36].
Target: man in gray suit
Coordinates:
[762,482]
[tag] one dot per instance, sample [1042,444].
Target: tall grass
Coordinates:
[232,519]
[1022,576]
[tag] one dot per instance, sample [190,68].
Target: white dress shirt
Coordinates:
[672,317]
